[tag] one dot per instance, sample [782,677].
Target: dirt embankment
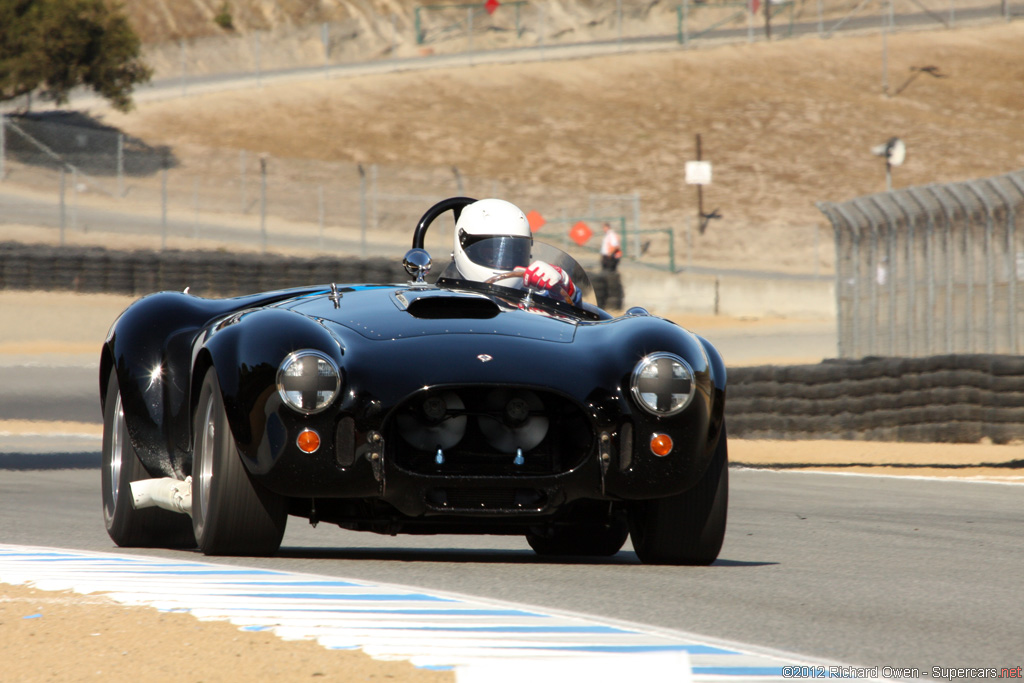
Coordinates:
[785,124]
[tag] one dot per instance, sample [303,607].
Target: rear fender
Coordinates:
[150,347]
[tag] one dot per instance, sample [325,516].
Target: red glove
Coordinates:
[545,276]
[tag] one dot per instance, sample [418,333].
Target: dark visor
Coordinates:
[497,253]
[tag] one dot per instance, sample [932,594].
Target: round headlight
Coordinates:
[662,384]
[308,381]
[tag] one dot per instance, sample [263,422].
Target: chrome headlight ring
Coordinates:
[308,381]
[662,384]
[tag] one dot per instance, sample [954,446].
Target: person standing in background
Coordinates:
[611,250]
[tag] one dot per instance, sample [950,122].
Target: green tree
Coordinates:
[53,46]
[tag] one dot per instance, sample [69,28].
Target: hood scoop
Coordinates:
[452,308]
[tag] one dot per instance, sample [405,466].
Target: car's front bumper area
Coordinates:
[481,453]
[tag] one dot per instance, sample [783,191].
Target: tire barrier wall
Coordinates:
[205,273]
[950,398]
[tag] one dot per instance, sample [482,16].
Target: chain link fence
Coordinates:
[89,179]
[931,270]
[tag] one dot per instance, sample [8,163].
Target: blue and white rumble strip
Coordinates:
[481,640]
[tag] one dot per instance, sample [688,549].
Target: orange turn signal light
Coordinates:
[308,441]
[661,444]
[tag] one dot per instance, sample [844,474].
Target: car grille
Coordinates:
[488,431]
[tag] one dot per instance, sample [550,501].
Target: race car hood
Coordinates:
[388,313]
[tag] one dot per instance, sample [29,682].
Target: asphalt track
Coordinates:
[865,571]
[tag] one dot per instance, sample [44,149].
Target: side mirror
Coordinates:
[417,263]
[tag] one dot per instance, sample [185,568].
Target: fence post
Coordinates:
[636,225]
[968,266]
[885,79]
[320,214]
[543,29]
[362,208]
[681,18]
[63,203]
[624,241]
[259,59]
[850,345]
[373,180]
[827,208]
[195,208]
[263,200]
[74,198]
[911,278]
[1011,265]
[120,164]
[990,285]
[947,245]
[689,243]
[163,204]
[618,16]
[184,65]
[242,164]
[325,39]
[890,271]
[671,250]
[929,258]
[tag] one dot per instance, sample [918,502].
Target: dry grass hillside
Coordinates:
[162,20]
[785,123]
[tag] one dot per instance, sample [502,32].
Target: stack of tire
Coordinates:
[948,398]
[608,290]
[94,269]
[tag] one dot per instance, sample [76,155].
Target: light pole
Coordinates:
[895,153]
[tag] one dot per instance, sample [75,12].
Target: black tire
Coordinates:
[688,528]
[231,514]
[593,539]
[128,527]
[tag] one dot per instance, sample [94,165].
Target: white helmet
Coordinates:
[492,237]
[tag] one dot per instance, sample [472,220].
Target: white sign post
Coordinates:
[699,173]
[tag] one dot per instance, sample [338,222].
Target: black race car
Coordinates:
[420,408]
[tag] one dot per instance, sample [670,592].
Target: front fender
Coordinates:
[246,352]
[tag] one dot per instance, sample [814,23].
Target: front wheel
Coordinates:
[231,514]
[688,528]
[126,526]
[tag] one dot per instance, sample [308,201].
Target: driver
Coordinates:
[493,242]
